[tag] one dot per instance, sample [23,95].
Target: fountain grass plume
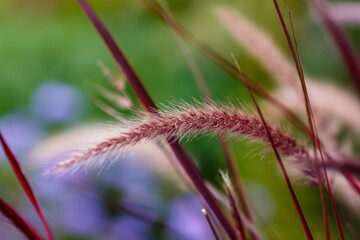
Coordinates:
[188,121]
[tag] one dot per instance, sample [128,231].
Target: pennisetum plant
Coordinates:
[230,215]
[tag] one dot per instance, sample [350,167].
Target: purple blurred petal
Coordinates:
[20,131]
[8,231]
[136,182]
[80,215]
[56,102]
[129,170]
[187,219]
[75,214]
[69,203]
[50,187]
[128,228]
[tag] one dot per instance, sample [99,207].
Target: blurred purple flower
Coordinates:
[136,182]
[69,205]
[20,131]
[75,207]
[129,169]
[50,187]
[80,215]
[8,231]
[125,227]
[57,102]
[187,219]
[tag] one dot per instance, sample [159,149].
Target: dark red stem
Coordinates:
[25,184]
[281,164]
[182,156]
[353,181]
[345,47]
[312,126]
[19,222]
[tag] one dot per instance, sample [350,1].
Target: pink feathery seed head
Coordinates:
[345,12]
[259,44]
[186,121]
[326,99]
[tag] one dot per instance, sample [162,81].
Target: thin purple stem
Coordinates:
[224,64]
[345,47]
[281,164]
[212,227]
[183,157]
[25,184]
[313,133]
[19,222]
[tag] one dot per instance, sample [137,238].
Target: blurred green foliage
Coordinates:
[43,40]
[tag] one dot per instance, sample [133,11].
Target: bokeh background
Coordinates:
[49,77]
